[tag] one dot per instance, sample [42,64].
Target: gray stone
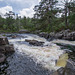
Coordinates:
[35,42]
[9,48]
[2,49]
[68,70]
[59,36]
[2,58]
[3,40]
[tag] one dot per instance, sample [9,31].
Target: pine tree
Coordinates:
[45,12]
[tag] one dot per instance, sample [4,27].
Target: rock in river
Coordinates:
[35,42]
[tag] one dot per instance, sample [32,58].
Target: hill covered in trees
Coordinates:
[50,15]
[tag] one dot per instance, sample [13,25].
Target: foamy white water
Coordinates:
[46,55]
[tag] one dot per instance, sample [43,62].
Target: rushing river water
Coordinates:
[33,60]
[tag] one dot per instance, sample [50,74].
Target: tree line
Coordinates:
[13,23]
[50,15]
[47,15]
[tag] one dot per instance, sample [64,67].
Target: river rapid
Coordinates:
[33,60]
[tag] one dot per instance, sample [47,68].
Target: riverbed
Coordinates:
[33,60]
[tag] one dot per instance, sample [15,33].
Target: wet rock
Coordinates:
[60,71]
[2,58]
[59,36]
[52,34]
[3,67]
[2,49]
[9,48]
[3,40]
[68,70]
[70,36]
[64,34]
[14,36]
[24,31]
[43,34]
[35,42]
[6,49]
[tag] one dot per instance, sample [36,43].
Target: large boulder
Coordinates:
[2,58]
[62,34]
[35,42]
[59,36]
[3,40]
[68,70]
[44,34]
[2,49]
[70,36]
[5,48]
[9,48]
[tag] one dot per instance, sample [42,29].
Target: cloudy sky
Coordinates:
[21,7]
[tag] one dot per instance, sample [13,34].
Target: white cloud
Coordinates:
[1,0]
[3,10]
[23,7]
[28,12]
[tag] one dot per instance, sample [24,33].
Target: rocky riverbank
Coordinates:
[64,34]
[70,49]
[5,50]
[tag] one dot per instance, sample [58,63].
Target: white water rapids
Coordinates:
[46,55]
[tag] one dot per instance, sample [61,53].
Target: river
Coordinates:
[33,60]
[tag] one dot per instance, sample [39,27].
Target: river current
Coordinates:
[33,60]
